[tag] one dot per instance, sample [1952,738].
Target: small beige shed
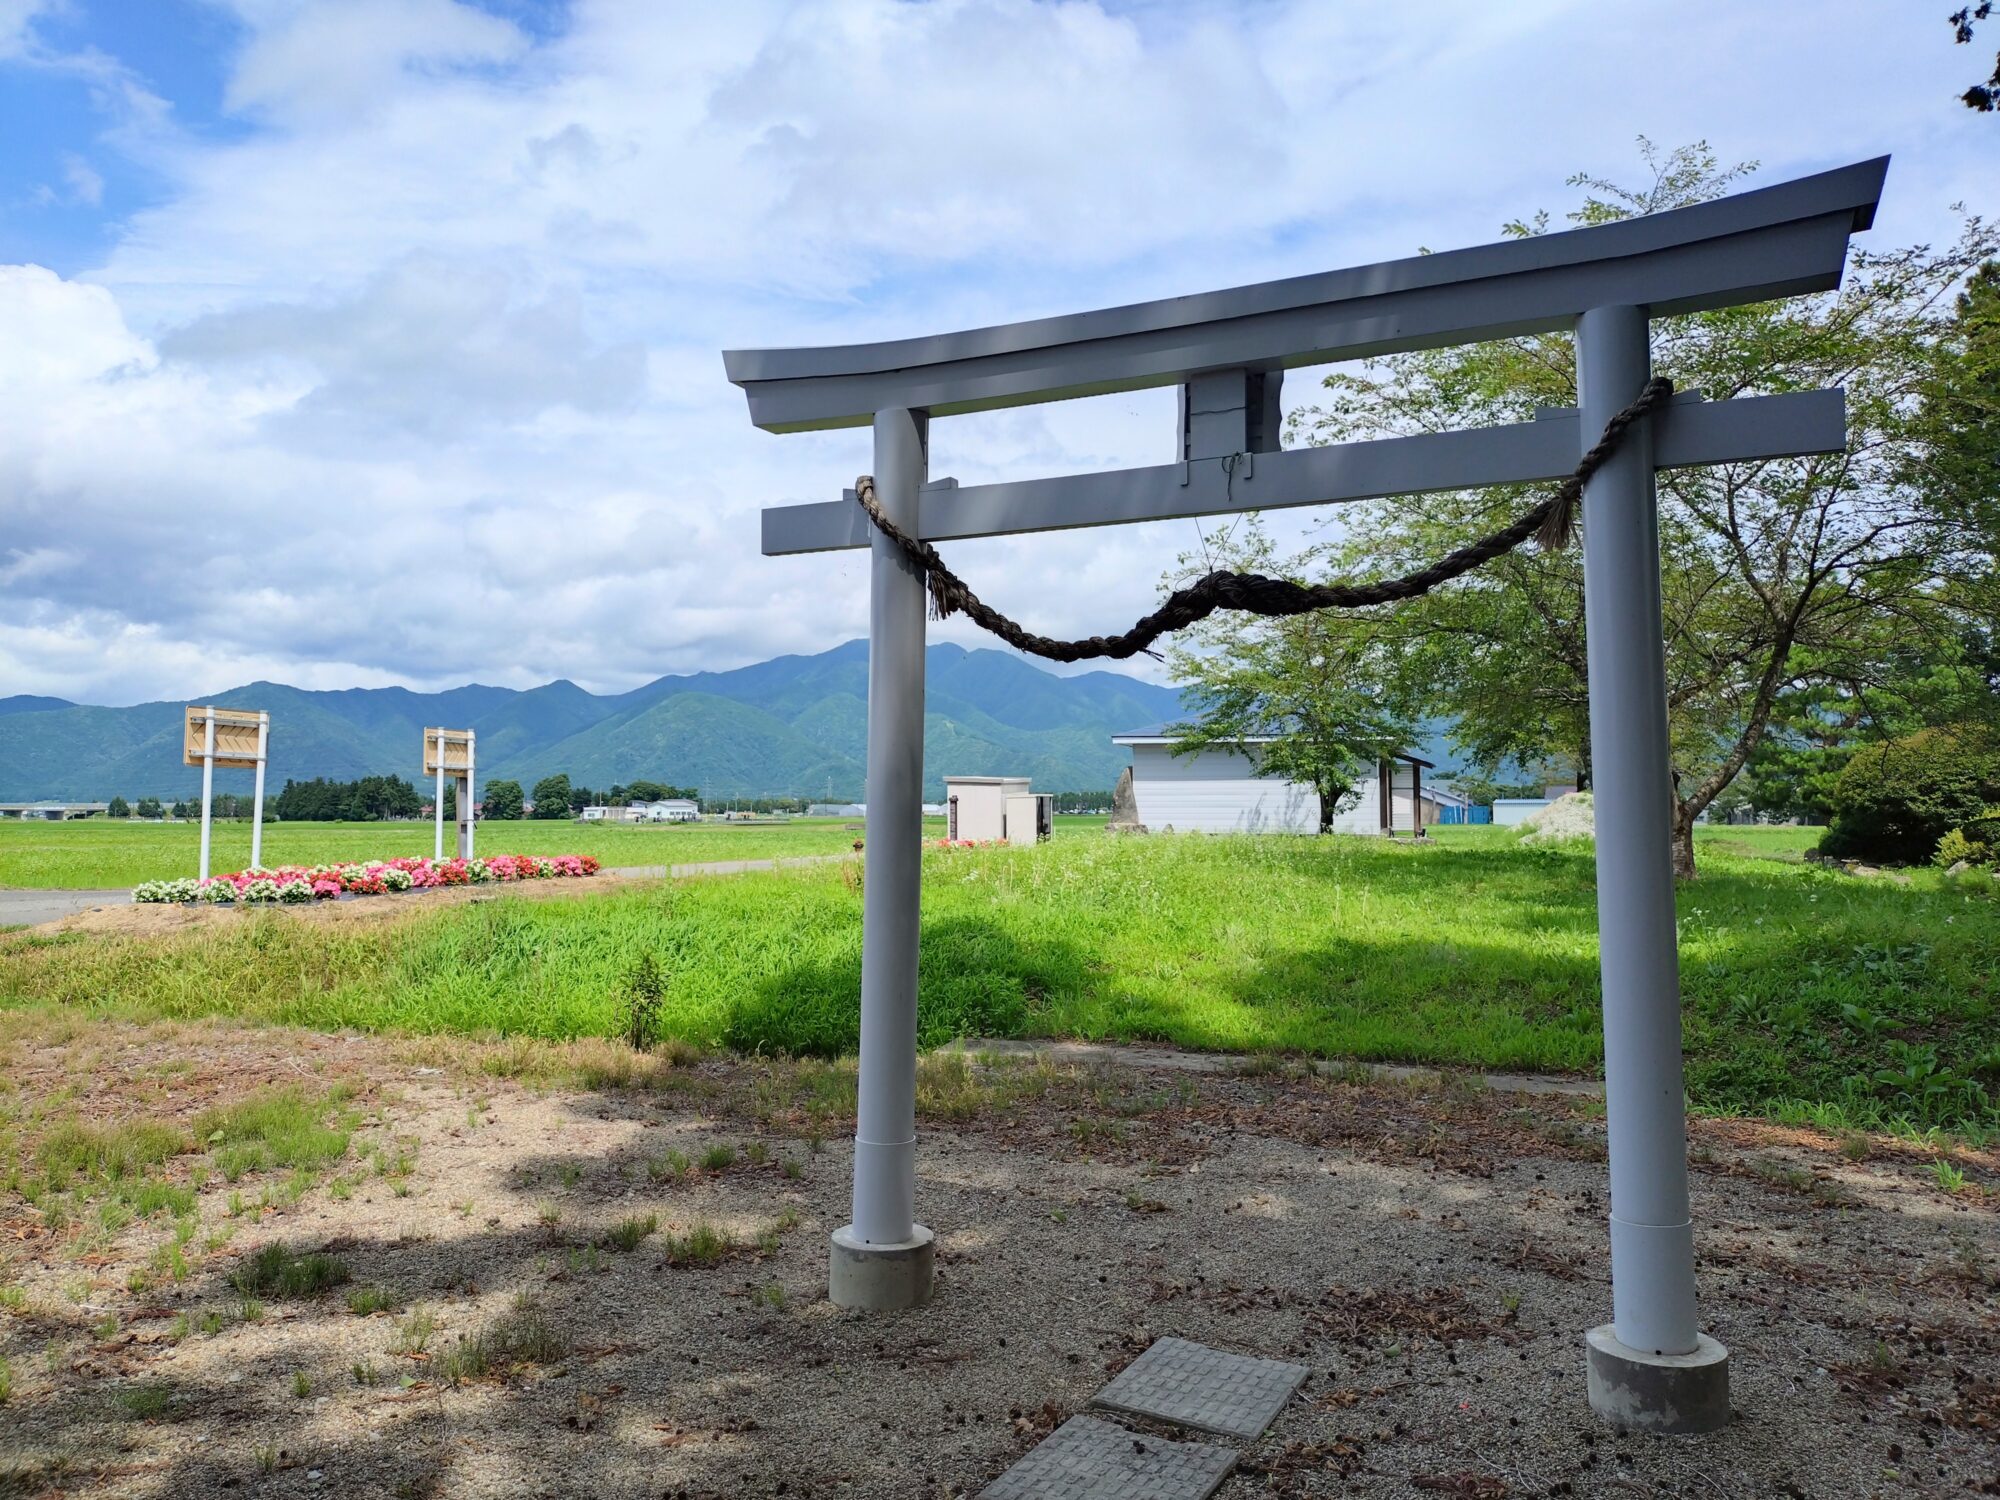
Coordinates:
[996,809]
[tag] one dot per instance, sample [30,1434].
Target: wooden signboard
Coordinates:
[457,751]
[448,752]
[242,737]
[238,740]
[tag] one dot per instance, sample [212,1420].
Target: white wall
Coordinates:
[1218,791]
[1402,788]
[982,806]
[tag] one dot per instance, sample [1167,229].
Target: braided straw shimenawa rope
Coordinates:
[1550,523]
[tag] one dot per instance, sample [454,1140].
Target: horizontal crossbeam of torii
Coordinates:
[1227,351]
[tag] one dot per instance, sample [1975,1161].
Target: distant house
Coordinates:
[1452,807]
[1508,811]
[53,812]
[669,810]
[1218,790]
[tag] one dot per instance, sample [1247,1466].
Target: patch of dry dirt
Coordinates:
[1433,1254]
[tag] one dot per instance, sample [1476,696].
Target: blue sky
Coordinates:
[368,341]
[66,190]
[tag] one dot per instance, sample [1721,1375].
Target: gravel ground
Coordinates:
[1432,1253]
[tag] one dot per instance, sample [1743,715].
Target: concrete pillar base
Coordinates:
[1640,1391]
[880,1278]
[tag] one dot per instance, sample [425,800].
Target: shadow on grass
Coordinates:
[1492,1004]
[975,978]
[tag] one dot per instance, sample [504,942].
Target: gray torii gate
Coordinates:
[1651,1366]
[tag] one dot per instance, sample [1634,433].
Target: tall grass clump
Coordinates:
[273,1128]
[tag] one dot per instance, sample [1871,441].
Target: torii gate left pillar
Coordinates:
[1650,1367]
[883,1259]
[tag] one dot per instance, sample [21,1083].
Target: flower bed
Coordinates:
[295,885]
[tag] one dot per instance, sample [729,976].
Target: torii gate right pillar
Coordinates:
[1651,1367]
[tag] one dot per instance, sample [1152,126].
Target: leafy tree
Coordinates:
[368,800]
[149,807]
[1983,96]
[503,801]
[1082,802]
[450,801]
[552,797]
[1894,801]
[180,810]
[1777,576]
[1297,684]
[656,791]
[119,808]
[1959,473]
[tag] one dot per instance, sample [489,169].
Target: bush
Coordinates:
[1894,801]
[1977,843]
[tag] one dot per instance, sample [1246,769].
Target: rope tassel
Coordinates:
[1552,524]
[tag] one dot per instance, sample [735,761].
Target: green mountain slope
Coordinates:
[794,725]
[693,739]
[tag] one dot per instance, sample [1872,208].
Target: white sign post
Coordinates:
[450,752]
[228,737]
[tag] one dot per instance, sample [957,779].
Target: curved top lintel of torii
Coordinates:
[1783,240]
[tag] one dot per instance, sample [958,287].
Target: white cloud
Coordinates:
[84,182]
[427,344]
[17,20]
[313,63]
[415,378]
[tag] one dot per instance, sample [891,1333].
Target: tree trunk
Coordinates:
[1327,796]
[1684,815]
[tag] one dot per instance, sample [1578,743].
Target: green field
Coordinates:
[1872,997]
[103,854]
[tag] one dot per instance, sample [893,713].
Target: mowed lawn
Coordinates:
[1874,997]
[103,853]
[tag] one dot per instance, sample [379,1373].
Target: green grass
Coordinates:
[526,1334]
[274,1128]
[278,1271]
[703,1245]
[629,1233]
[1871,995]
[366,1300]
[104,854]
[146,1402]
[110,1153]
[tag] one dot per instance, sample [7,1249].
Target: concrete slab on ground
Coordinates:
[1192,1385]
[1087,1459]
[32,908]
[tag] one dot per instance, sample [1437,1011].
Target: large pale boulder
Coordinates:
[1124,806]
[1572,816]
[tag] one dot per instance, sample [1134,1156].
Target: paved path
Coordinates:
[31,908]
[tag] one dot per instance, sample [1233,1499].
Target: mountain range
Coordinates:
[792,726]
